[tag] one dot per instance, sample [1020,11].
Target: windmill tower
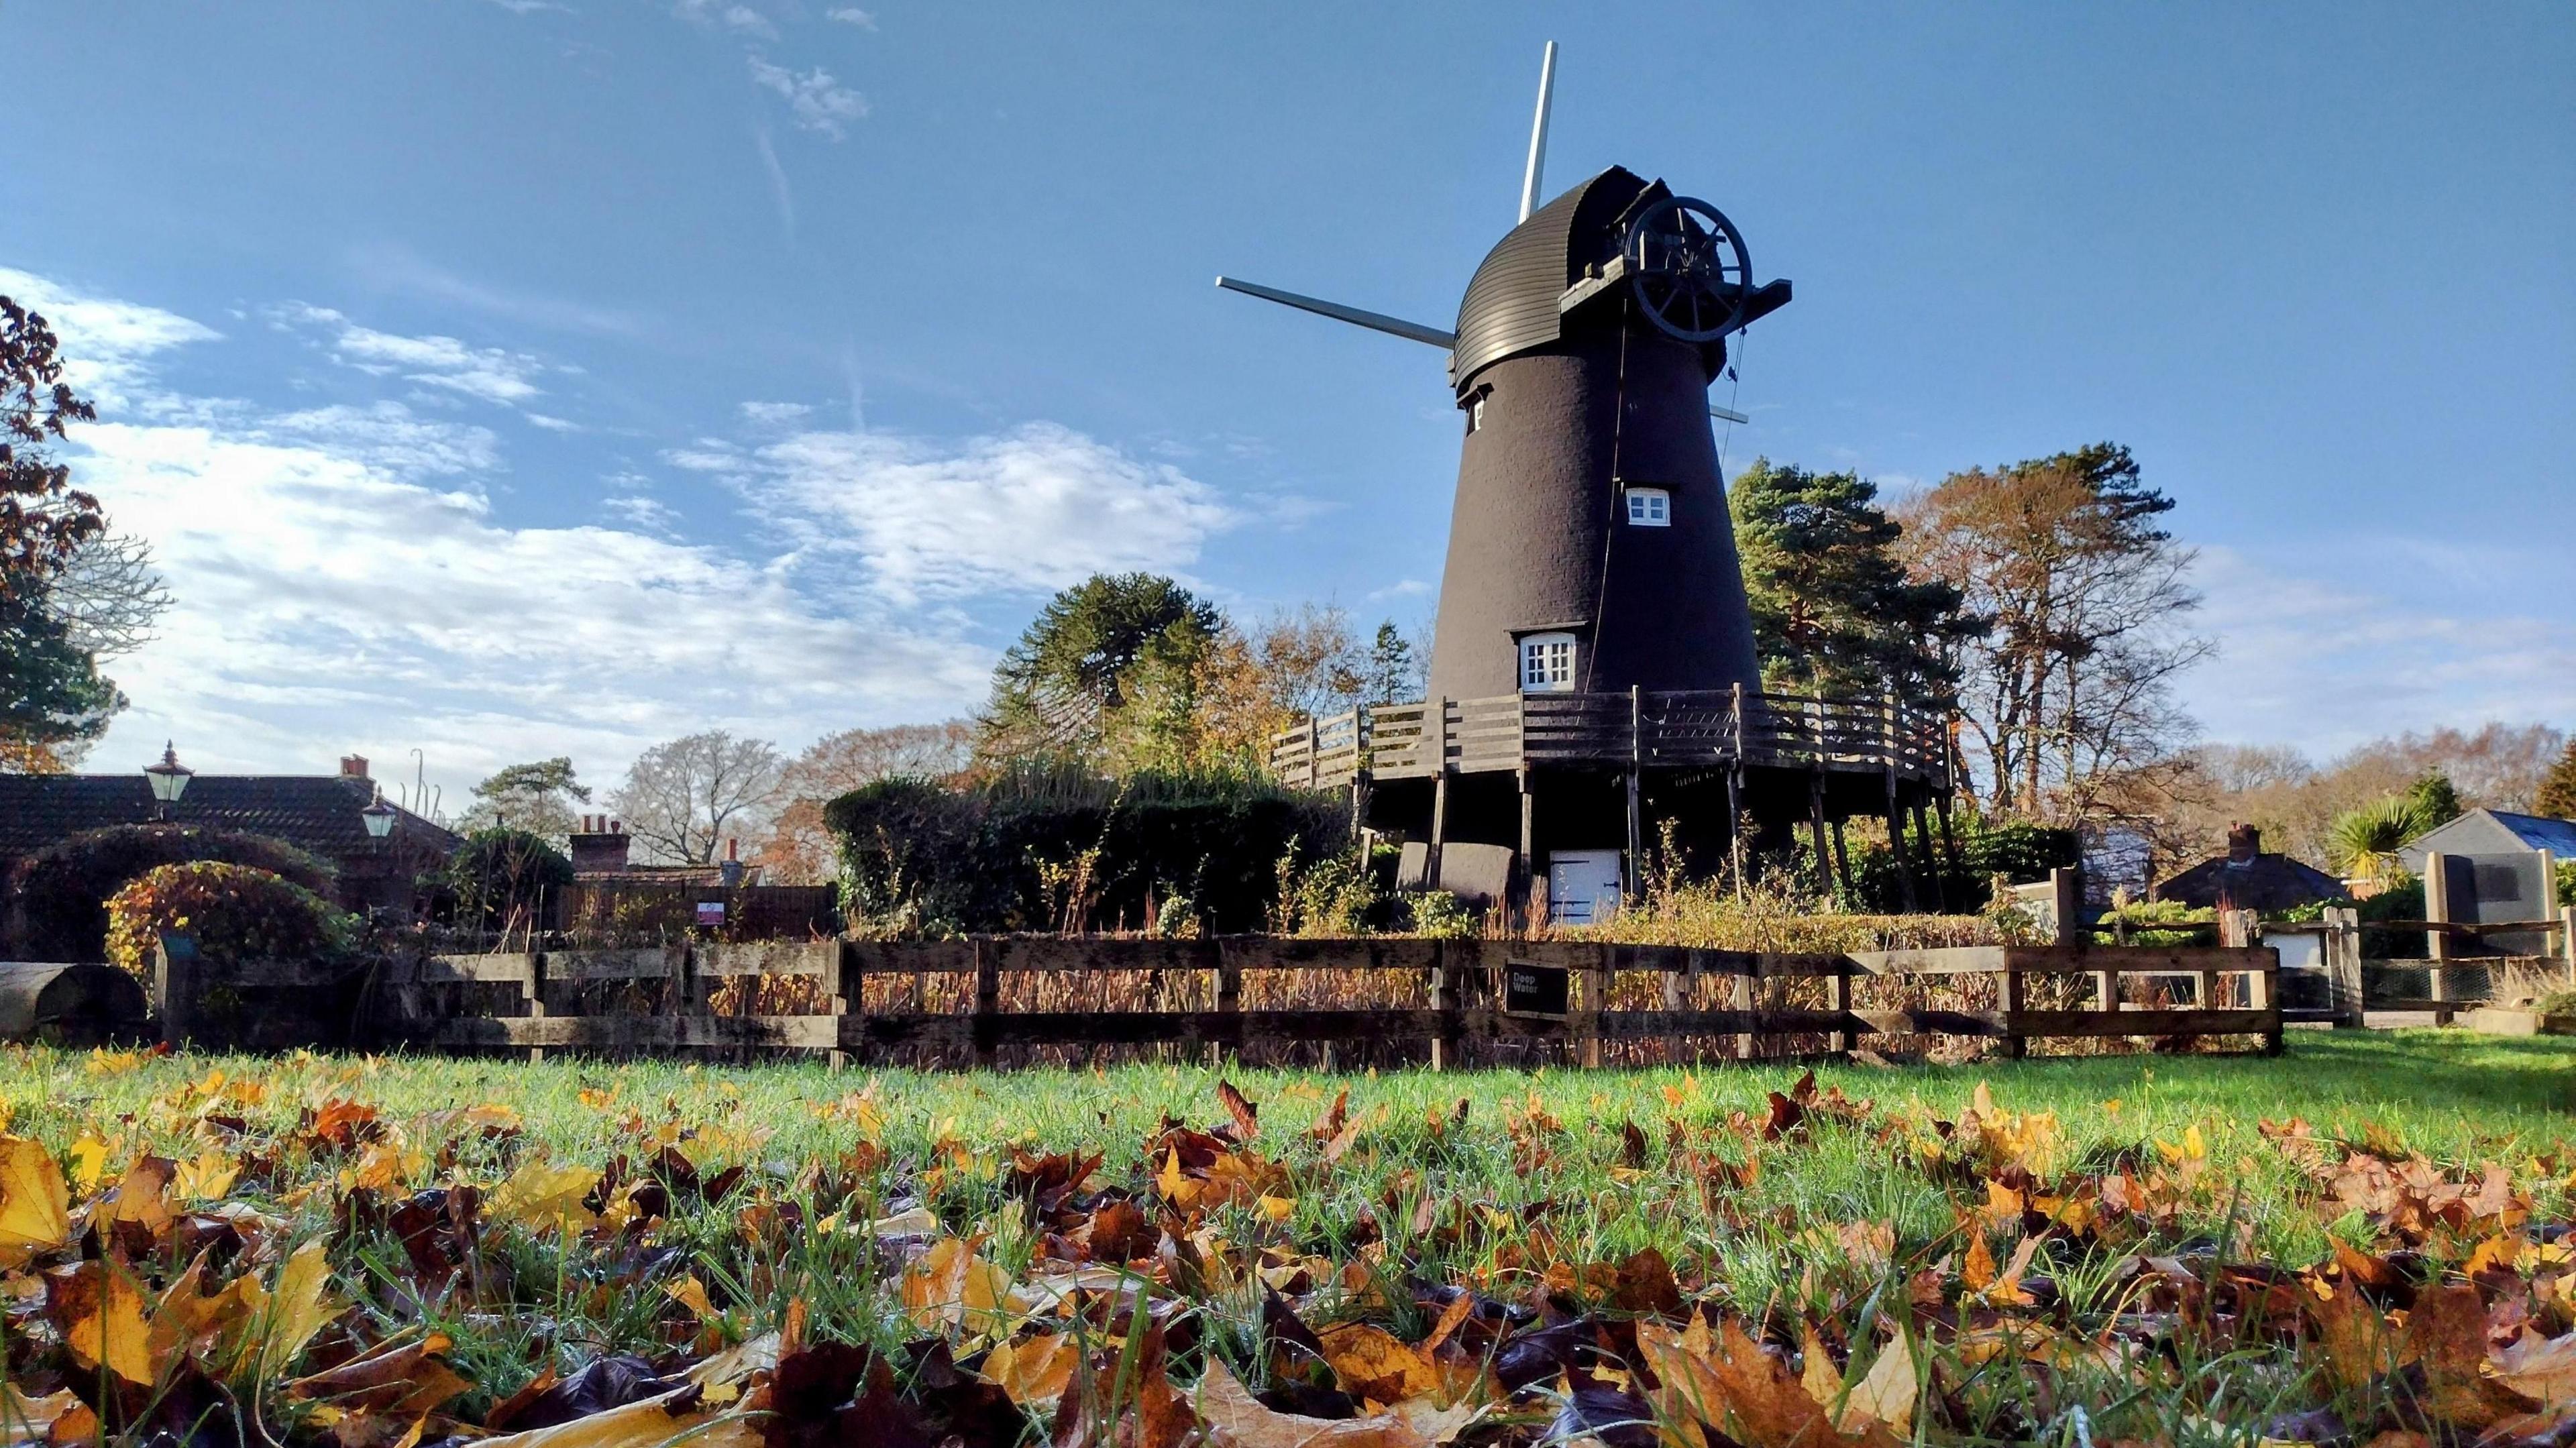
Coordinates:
[1592,568]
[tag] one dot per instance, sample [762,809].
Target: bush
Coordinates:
[501,873]
[2021,852]
[65,886]
[232,912]
[1052,847]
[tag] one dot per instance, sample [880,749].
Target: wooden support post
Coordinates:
[1931,859]
[1739,997]
[1842,871]
[1896,850]
[683,996]
[2263,991]
[1229,995]
[1636,807]
[1735,820]
[1838,997]
[1314,754]
[2567,941]
[1596,999]
[1439,796]
[177,988]
[2106,990]
[1816,824]
[1446,997]
[2341,950]
[2066,898]
[836,999]
[2008,995]
[988,997]
[1949,863]
[1532,898]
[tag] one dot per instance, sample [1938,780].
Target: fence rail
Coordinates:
[1648,728]
[1448,999]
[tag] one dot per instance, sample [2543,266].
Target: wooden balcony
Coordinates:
[1647,730]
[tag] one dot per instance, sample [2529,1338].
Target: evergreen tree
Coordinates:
[2557,796]
[1834,611]
[1108,673]
[1394,676]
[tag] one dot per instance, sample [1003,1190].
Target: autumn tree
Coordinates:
[683,798]
[1834,610]
[537,797]
[799,848]
[69,595]
[2070,691]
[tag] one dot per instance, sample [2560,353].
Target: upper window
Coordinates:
[1547,663]
[1650,508]
[1476,413]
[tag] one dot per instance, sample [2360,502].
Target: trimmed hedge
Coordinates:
[1006,853]
[233,912]
[65,886]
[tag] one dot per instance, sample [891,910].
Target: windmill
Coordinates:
[1592,566]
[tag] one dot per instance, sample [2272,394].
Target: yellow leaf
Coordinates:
[953,1286]
[1822,1380]
[690,1293]
[1888,1392]
[540,1195]
[1036,1372]
[297,1309]
[1373,1363]
[35,1210]
[208,1178]
[100,1311]
[89,1161]
[1978,1272]
[1278,1209]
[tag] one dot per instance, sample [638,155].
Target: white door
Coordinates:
[1582,886]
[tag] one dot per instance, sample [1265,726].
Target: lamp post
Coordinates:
[379,816]
[169,778]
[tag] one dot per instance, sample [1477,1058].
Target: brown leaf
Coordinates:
[1731,1383]
[400,1379]
[1247,1117]
[1646,1284]
[1374,1364]
[1235,1419]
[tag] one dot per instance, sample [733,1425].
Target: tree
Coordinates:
[2435,798]
[800,848]
[1834,610]
[2070,691]
[537,797]
[501,875]
[1108,674]
[2364,842]
[2556,796]
[53,700]
[682,798]
[44,520]
[1394,672]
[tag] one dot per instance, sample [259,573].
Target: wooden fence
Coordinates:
[988,999]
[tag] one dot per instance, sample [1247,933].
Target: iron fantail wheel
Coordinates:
[1689,267]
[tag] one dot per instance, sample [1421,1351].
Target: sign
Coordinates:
[1533,990]
[711,912]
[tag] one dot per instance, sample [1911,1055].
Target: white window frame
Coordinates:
[1650,508]
[1547,663]
[1476,412]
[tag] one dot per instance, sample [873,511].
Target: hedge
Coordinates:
[64,887]
[1007,853]
[232,912]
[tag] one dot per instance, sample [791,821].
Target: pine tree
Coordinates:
[2557,796]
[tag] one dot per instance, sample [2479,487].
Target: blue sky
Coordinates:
[509,379]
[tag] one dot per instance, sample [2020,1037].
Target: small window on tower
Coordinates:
[1650,508]
[1476,413]
[1547,663]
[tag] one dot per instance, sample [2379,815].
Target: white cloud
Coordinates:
[773,414]
[852,15]
[115,338]
[488,373]
[1034,509]
[818,102]
[744,18]
[551,424]
[641,511]
[2325,655]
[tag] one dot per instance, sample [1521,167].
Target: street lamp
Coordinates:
[169,779]
[379,816]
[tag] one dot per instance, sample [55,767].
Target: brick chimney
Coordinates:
[353,766]
[2244,842]
[599,846]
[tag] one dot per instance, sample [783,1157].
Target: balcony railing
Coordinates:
[1659,729]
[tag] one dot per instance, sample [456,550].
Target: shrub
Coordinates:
[500,873]
[1047,846]
[64,887]
[233,912]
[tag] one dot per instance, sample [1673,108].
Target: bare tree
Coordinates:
[2071,692]
[108,595]
[682,798]
[799,848]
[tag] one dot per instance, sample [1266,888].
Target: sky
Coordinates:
[498,379]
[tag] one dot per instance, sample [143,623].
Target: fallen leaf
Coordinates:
[297,1309]
[1372,1363]
[1888,1392]
[1034,1372]
[544,1197]
[1247,1117]
[35,1207]
[1235,1419]
[100,1311]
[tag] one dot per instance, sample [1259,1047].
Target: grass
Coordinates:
[1537,1177]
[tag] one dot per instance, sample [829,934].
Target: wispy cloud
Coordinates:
[780,193]
[852,15]
[401,269]
[488,373]
[750,21]
[774,414]
[818,102]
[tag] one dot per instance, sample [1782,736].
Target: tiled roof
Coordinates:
[2266,882]
[318,812]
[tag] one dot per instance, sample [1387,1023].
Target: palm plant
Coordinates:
[2363,842]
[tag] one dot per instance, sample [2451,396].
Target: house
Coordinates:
[2245,878]
[322,814]
[599,857]
[2492,832]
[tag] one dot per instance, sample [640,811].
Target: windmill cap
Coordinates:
[1511,302]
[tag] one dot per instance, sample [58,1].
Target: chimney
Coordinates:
[2244,842]
[599,846]
[353,766]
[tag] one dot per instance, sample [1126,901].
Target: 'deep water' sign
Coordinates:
[1533,990]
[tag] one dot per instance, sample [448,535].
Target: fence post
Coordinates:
[2567,940]
[2437,943]
[175,984]
[2009,996]
[536,993]
[1229,997]
[2342,952]
[836,1000]
[1596,997]
[988,997]
[2263,984]
[1636,807]
[1740,998]
[1838,998]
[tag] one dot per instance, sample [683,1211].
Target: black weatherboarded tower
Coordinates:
[1593,661]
